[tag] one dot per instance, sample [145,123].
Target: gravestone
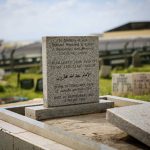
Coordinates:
[27,83]
[105,71]
[135,83]
[136,59]
[70,70]
[122,84]
[2,73]
[141,83]
[70,77]
[39,85]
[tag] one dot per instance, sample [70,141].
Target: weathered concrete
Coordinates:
[93,126]
[53,133]
[15,138]
[135,120]
[121,101]
[40,112]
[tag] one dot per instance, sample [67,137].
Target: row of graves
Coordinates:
[72,115]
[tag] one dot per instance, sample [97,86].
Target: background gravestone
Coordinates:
[105,71]
[70,70]
[27,83]
[122,84]
[141,82]
[135,83]
[136,59]
[39,85]
[2,73]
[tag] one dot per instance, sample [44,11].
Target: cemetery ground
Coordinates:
[9,87]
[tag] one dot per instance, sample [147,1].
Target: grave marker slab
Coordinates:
[135,120]
[135,83]
[70,70]
[27,83]
[122,84]
[141,83]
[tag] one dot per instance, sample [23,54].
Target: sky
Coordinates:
[32,19]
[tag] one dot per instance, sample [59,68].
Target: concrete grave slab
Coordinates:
[70,140]
[135,120]
[16,138]
[135,83]
[41,113]
[122,101]
[90,127]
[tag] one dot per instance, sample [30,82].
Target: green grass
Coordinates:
[11,88]
[145,68]
[105,86]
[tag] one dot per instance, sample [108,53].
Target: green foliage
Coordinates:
[145,68]
[11,88]
[34,70]
[2,89]
[105,86]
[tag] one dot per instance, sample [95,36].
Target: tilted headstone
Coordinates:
[105,71]
[135,83]
[70,70]
[27,83]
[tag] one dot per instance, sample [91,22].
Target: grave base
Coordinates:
[135,120]
[41,112]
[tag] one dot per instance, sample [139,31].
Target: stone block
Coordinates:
[135,120]
[41,113]
[122,84]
